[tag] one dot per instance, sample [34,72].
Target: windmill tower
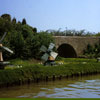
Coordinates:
[49,55]
[1,57]
[2,63]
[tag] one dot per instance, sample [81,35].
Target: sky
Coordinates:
[55,14]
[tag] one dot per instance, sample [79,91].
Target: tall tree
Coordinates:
[24,21]
[14,20]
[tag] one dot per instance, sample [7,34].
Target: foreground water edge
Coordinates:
[76,87]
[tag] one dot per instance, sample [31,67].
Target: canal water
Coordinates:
[77,87]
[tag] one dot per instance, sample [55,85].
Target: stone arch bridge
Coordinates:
[73,46]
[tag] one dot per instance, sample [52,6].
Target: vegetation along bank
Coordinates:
[30,72]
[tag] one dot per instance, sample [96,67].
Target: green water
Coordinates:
[77,87]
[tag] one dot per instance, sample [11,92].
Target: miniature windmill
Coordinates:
[3,47]
[49,55]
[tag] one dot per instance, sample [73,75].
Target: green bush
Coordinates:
[92,51]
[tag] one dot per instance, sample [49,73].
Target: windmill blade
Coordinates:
[53,54]
[7,49]
[51,46]
[43,48]
[45,57]
[3,37]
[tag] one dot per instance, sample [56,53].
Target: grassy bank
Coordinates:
[36,72]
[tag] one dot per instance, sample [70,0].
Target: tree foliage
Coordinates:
[6,17]
[14,20]
[92,51]
[24,21]
[23,39]
[69,32]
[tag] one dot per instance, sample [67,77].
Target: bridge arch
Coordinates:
[67,51]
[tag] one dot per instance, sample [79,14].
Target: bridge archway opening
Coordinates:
[66,51]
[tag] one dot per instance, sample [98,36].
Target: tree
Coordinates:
[26,31]
[14,20]
[6,17]
[19,22]
[17,43]
[5,25]
[38,40]
[21,38]
[24,22]
[34,30]
[98,34]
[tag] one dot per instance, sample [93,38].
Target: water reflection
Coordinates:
[82,87]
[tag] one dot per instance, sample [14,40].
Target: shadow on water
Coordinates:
[80,87]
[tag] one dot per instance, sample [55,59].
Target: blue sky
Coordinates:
[55,14]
